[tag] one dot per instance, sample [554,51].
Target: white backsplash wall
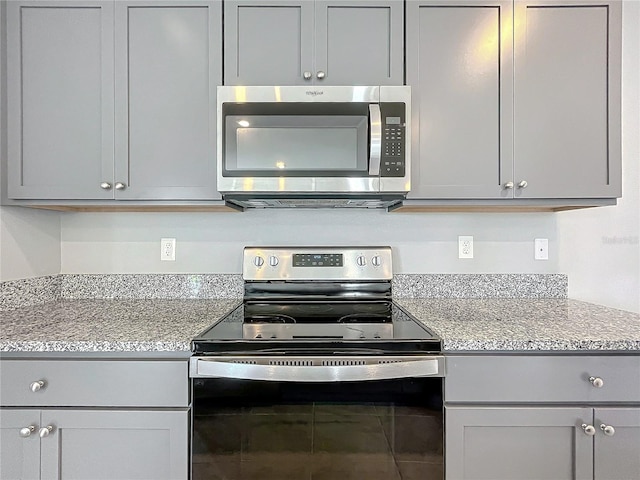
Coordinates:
[600,247]
[213,242]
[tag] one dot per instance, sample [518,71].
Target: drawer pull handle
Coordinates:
[26,431]
[589,429]
[596,382]
[608,430]
[35,386]
[45,431]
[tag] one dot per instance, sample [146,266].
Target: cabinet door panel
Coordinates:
[19,456]
[617,457]
[487,443]
[115,445]
[567,99]
[268,42]
[359,43]
[60,99]
[458,63]
[168,66]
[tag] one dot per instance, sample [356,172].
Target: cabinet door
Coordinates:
[567,98]
[459,62]
[60,99]
[19,455]
[115,445]
[168,64]
[518,443]
[359,43]
[268,42]
[617,456]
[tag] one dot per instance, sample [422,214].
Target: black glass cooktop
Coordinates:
[298,328]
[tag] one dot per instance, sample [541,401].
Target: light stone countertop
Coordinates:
[497,324]
[109,325]
[487,325]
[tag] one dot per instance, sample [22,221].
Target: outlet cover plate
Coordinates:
[465,246]
[541,246]
[168,249]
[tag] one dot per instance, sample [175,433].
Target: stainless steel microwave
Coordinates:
[313,146]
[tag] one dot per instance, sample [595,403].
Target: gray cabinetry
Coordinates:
[113,100]
[518,443]
[530,417]
[332,42]
[20,444]
[60,99]
[167,68]
[459,65]
[145,437]
[567,83]
[539,121]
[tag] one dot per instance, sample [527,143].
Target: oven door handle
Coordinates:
[237,369]
[375,147]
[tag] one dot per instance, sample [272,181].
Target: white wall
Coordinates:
[600,248]
[29,239]
[93,243]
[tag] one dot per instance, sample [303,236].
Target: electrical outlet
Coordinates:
[168,249]
[465,246]
[541,246]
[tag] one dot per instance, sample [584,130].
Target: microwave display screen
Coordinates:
[392,120]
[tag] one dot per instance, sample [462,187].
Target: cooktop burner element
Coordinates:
[309,300]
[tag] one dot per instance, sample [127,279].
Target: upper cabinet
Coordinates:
[87,123]
[167,68]
[60,99]
[303,42]
[459,68]
[540,120]
[567,68]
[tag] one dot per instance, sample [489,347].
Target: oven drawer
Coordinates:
[119,383]
[542,378]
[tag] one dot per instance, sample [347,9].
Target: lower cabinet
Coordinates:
[94,419]
[93,444]
[576,426]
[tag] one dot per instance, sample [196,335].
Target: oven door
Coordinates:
[280,422]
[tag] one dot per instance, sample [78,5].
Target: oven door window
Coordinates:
[296,140]
[379,430]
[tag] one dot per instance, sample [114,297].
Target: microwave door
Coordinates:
[375,145]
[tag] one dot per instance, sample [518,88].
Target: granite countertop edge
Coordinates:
[482,332]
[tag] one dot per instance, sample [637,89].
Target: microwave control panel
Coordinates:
[392,163]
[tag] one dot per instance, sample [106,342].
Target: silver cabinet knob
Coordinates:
[508,185]
[608,430]
[26,431]
[258,261]
[361,261]
[522,184]
[120,186]
[105,186]
[320,75]
[376,261]
[307,75]
[596,382]
[45,431]
[35,386]
[273,260]
[588,429]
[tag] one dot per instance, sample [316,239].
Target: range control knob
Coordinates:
[258,261]
[361,260]
[273,260]
[376,260]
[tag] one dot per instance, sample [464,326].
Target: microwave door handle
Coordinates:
[375,148]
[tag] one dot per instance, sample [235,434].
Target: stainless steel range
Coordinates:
[316,354]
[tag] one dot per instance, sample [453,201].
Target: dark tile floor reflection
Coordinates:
[318,441]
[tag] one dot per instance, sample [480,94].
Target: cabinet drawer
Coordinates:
[153,383]
[509,379]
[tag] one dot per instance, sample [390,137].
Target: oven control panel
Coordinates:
[317,263]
